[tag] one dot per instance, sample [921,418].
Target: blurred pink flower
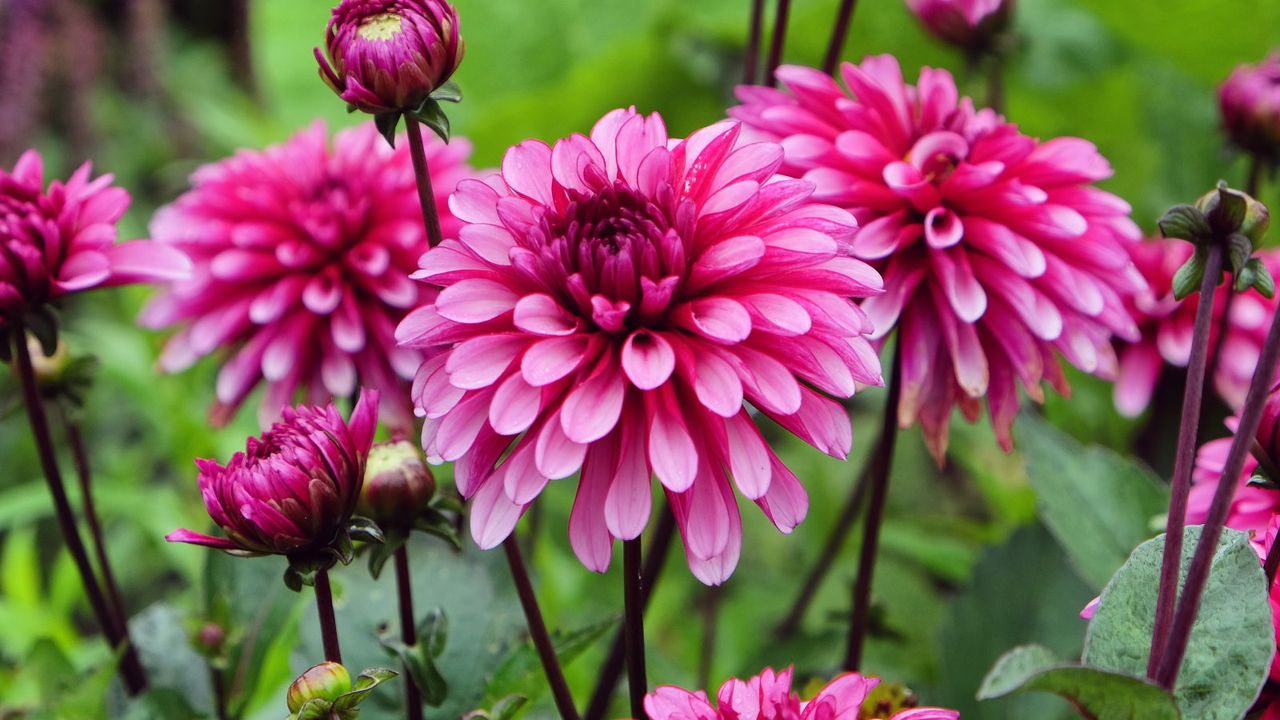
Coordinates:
[302,259]
[61,241]
[609,306]
[967,24]
[294,488]
[1252,507]
[1250,104]
[997,251]
[1167,326]
[768,696]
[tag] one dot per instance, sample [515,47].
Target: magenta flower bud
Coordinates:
[968,24]
[327,681]
[294,489]
[388,56]
[210,637]
[1250,103]
[397,485]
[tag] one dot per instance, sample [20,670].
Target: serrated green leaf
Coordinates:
[1098,694]
[1232,641]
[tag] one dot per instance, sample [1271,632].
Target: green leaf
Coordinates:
[1096,693]
[1232,640]
[448,92]
[507,707]
[161,704]
[421,667]
[433,631]
[1188,277]
[433,522]
[521,673]
[1183,222]
[1097,504]
[380,553]
[164,647]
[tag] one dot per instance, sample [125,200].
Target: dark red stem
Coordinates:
[1198,573]
[751,59]
[1184,460]
[633,624]
[538,630]
[426,195]
[408,631]
[779,40]
[328,623]
[838,34]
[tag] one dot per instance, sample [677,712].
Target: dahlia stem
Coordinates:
[218,682]
[1184,460]
[408,633]
[633,624]
[614,665]
[1254,183]
[751,59]
[882,466]
[426,195]
[538,630]
[838,34]
[995,82]
[779,40]
[328,622]
[131,671]
[711,599]
[1198,573]
[826,559]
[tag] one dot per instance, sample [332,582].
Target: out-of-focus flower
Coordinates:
[62,240]
[326,691]
[1250,103]
[1167,324]
[294,489]
[971,25]
[611,305]
[302,259]
[388,56]
[769,695]
[997,251]
[397,485]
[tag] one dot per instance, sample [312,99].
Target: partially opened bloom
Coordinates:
[302,259]
[294,489]
[968,24]
[1250,104]
[1167,325]
[610,305]
[388,56]
[998,253]
[768,696]
[62,240]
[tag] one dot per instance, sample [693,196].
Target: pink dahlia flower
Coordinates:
[1250,103]
[390,55]
[302,259]
[997,251]
[610,305]
[294,489]
[768,696]
[61,241]
[967,24]
[1167,326]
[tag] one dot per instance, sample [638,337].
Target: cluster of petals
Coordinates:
[967,24]
[1168,325]
[998,252]
[62,240]
[294,488]
[302,257]
[1250,105]
[610,305]
[768,696]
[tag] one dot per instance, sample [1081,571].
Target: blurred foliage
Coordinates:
[967,569]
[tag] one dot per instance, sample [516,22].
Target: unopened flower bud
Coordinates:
[1230,211]
[972,25]
[1250,103]
[327,681]
[210,637]
[397,484]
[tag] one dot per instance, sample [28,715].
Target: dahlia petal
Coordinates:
[725,259]
[777,313]
[145,261]
[963,291]
[493,515]
[716,384]
[588,532]
[460,427]
[521,480]
[592,409]
[630,499]
[749,457]
[363,422]
[83,270]
[475,301]
[569,159]
[547,361]
[927,714]
[767,382]
[515,406]
[491,243]
[475,202]
[785,503]
[338,373]
[275,300]
[883,236]
[527,170]
[667,702]
[1019,254]
[648,359]
[672,453]
[540,314]
[556,455]
[195,538]
[942,228]
[716,318]
[846,693]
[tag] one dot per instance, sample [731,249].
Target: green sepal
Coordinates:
[448,503]
[314,709]
[432,115]
[433,522]
[368,679]
[1262,280]
[1188,278]
[379,554]
[387,124]
[43,324]
[433,632]
[362,529]
[1183,222]
[448,92]
[1228,213]
[1239,250]
[1260,480]
[295,579]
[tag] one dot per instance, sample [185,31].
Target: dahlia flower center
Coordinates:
[381,27]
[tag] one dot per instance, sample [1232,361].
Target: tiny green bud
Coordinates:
[397,485]
[327,681]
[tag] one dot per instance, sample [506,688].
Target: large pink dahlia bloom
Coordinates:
[62,240]
[768,696]
[609,306]
[1167,326]
[997,252]
[302,259]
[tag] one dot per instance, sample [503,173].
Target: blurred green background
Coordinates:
[968,568]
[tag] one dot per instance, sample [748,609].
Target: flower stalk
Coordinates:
[408,633]
[426,195]
[779,41]
[633,614]
[838,34]
[881,467]
[538,630]
[328,622]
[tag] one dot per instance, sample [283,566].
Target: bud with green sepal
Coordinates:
[399,494]
[326,692]
[1227,219]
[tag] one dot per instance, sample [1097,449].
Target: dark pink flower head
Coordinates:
[390,55]
[294,488]
[1250,103]
[610,305]
[1166,326]
[1252,507]
[302,259]
[62,240]
[967,24]
[768,696]
[996,250]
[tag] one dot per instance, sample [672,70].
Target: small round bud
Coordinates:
[1250,104]
[327,681]
[397,484]
[210,637]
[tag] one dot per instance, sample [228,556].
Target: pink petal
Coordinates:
[540,314]
[493,515]
[648,359]
[592,409]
